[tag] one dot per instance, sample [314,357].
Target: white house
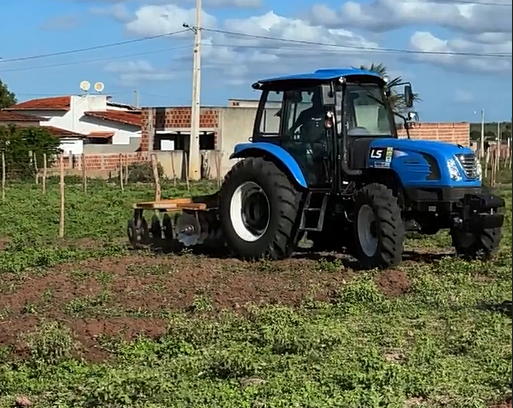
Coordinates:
[93,119]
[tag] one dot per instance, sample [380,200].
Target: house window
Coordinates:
[100,140]
[180,141]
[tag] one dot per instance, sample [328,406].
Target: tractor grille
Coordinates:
[469,164]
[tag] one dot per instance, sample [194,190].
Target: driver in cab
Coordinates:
[311,120]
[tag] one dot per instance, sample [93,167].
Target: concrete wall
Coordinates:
[71,146]
[90,148]
[235,126]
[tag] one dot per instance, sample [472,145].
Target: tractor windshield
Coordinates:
[366,111]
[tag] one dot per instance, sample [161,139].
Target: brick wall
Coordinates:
[154,119]
[108,162]
[454,133]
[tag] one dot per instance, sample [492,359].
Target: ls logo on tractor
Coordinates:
[376,153]
[381,157]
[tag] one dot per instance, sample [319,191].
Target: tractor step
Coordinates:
[312,216]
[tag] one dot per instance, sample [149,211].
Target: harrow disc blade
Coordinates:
[187,229]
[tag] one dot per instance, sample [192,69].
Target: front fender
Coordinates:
[278,153]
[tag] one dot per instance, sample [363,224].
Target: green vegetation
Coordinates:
[7,98]
[24,148]
[85,322]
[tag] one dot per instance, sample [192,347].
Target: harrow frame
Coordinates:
[161,231]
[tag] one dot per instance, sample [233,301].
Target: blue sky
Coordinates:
[452,86]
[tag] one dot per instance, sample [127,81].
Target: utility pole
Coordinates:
[481,149]
[194,145]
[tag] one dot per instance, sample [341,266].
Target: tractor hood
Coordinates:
[426,163]
[431,147]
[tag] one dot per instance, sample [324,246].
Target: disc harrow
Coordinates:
[176,222]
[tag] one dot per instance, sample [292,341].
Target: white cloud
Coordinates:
[472,28]
[242,58]
[385,15]
[156,20]
[133,72]
[427,42]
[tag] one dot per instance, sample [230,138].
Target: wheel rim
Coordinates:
[367,230]
[250,211]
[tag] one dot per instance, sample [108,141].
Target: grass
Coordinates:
[439,343]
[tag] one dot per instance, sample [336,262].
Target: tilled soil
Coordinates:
[129,296]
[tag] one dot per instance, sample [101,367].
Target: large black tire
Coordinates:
[283,202]
[476,246]
[387,231]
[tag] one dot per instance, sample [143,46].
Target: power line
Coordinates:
[355,47]
[93,48]
[312,46]
[91,61]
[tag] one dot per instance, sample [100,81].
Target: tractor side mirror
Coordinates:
[328,95]
[408,96]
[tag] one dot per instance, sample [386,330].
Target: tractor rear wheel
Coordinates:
[481,246]
[378,227]
[258,210]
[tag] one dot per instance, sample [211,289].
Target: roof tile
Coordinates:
[57,103]
[11,117]
[60,132]
[132,118]
[101,134]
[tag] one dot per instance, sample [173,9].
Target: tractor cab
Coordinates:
[325,120]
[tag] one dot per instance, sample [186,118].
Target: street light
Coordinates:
[481,144]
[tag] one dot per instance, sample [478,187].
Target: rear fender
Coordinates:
[275,153]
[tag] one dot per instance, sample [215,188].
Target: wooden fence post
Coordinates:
[84,173]
[121,179]
[36,169]
[45,165]
[186,162]
[154,165]
[3,175]
[127,171]
[173,171]
[62,199]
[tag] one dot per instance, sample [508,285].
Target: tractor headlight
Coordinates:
[479,170]
[454,171]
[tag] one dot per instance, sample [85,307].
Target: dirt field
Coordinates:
[86,322]
[109,296]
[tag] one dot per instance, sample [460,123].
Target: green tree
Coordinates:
[396,98]
[7,98]
[17,144]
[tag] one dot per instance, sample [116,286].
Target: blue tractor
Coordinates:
[325,160]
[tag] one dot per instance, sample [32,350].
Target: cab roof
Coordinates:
[319,75]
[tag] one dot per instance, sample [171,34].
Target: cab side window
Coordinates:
[270,122]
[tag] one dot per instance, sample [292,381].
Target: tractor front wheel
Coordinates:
[378,227]
[481,246]
[258,210]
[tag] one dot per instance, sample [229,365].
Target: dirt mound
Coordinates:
[3,243]
[393,282]
[132,295]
